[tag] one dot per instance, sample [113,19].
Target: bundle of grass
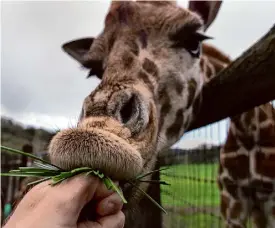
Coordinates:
[47,171]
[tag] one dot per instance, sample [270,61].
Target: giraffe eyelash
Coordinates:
[190,42]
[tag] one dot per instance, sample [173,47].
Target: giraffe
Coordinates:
[247,169]
[152,63]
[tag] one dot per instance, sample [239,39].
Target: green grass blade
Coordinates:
[62,176]
[31,169]
[28,155]
[20,175]
[58,181]
[149,197]
[101,176]
[116,189]
[45,166]
[34,169]
[153,171]
[155,182]
[80,170]
[28,170]
[89,173]
[107,183]
[38,181]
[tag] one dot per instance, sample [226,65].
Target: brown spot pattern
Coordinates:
[262,115]
[231,143]
[127,60]
[192,86]
[247,141]
[224,204]
[197,105]
[179,87]
[238,166]
[262,187]
[249,117]
[248,192]
[165,105]
[265,164]
[145,78]
[133,46]
[267,136]
[143,39]
[238,123]
[202,63]
[150,67]
[111,41]
[174,129]
[231,187]
[236,210]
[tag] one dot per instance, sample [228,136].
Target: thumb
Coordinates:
[73,194]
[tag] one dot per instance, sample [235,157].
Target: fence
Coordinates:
[193,199]
[10,186]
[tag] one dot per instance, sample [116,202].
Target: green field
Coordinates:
[186,194]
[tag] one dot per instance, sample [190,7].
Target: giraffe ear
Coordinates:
[78,49]
[208,10]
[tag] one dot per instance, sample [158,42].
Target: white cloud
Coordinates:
[193,143]
[39,120]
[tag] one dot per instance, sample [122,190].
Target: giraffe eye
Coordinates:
[191,42]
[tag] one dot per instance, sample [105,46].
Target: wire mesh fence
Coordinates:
[193,198]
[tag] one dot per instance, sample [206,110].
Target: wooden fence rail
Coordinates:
[250,79]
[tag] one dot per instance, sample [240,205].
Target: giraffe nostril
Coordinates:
[128,109]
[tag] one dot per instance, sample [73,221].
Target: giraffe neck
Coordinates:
[212,61]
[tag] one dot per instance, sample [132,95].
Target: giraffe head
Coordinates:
[148,60]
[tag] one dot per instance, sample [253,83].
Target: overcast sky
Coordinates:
[41,85]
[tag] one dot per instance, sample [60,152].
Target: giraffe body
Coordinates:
[247,169]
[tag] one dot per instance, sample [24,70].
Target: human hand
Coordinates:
[60,206]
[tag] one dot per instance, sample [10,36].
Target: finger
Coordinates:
[78,188]
[102,191]
[115,221]
[110,205]
[112,221]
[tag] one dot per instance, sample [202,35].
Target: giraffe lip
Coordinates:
[98,149]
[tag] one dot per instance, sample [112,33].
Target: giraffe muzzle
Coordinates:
[100,149]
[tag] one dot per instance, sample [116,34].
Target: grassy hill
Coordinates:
[15,135]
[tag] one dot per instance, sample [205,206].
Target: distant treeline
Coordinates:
[15,135]
[200,155]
